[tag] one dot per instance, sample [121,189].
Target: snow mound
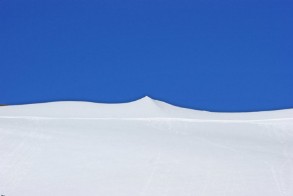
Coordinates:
[145,107]
[143,148]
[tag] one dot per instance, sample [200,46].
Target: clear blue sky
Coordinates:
[219,55]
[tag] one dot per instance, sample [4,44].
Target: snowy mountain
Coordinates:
[145,107]
[143,148]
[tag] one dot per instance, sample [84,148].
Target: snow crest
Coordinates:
[145,107]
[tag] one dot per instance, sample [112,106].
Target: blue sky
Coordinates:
[213,55]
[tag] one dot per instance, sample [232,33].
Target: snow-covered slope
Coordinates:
[143,148]
[145,107]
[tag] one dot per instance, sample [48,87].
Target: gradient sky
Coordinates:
[220,55]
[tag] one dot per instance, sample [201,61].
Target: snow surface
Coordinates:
[143,148]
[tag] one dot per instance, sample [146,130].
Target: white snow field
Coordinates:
[143,148]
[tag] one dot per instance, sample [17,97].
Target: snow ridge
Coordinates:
[145,108]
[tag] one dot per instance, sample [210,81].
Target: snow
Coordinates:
[143,148]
